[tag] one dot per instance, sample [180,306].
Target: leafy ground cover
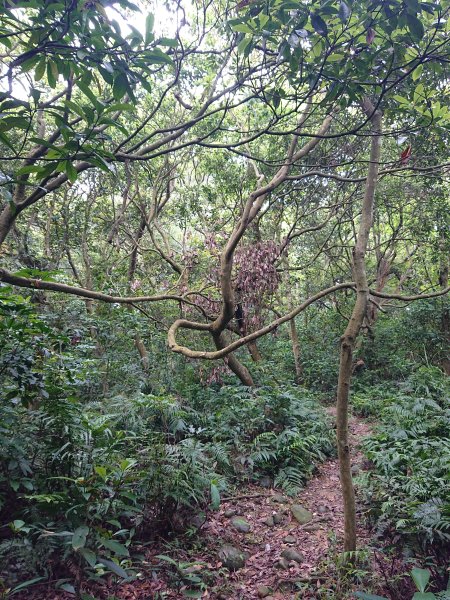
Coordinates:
[407,489]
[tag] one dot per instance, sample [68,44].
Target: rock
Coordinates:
[269,522]
[301,514]
[263,591]
[311,527]
[279,499]
[198,521]
[322,509]
[231,557]
[230,512]
[291,554]
[356,469]
[277,518]
[289,539]
[240,524]
[282,563]
[265,482]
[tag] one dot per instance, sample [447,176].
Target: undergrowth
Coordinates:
[407,489]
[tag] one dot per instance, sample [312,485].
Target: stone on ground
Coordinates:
[240,524]
[291,554]
[263,591]
[301,514]
[289,539]
[277,518]
[279,499]
[232,558]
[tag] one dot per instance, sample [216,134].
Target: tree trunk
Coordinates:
[232,362]
[296,351]
[143,353]
[445,315]
[7,218]
[254,351]
[350,335]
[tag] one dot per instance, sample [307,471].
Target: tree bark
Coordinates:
[445,315]
[143,353]
[233,363]
[7,218]
[350,335]
[254,351]
[296,350]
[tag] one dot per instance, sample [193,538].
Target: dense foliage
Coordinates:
[408,488]
[223,217]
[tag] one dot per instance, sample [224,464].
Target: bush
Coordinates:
[408,488]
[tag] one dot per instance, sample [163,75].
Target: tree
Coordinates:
[287,92]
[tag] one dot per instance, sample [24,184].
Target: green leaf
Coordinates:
[50,75]
[158,57]
[242,28]
[114,567]
[421,578]
[344,11]
[54,69]
[319,24]
[170,42]
[417,72]
[365,596]
[116,547]
[120,86]
[87,92]
[244,44]
[71,172]
[424,596]
[415,27]
[4,138]
[149,23]
[79,537]
[89,556]
[74,108]
[215,496]
[28,169]
[101,471]
[118,106]
[24,585]
[17,524]
[40,69]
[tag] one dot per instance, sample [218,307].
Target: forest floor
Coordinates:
[284,558]
[266,574]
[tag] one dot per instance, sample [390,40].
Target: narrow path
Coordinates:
[307,544]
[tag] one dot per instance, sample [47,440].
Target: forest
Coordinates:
[224,310]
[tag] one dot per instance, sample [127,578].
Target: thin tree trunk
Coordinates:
[350,335]
[296,350]
[7,218]
[233,363]
[48,227]
[254,351]
[445,315]
[143,353]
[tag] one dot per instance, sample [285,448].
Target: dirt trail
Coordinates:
[264,543]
